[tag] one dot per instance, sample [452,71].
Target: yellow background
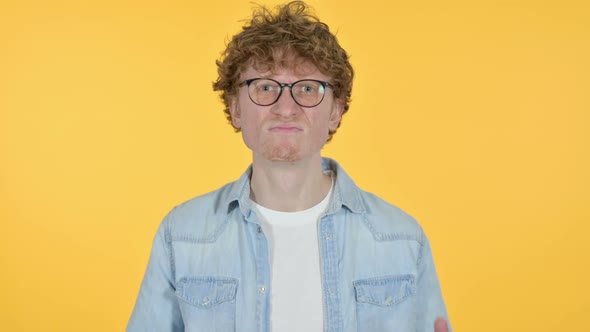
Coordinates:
[473,116]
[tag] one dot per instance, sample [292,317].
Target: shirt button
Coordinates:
[262,289]
[205,300]
[330,291]
[388,300]
[259,229]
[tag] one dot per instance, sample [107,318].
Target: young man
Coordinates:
[294,244]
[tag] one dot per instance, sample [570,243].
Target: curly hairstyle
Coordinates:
[273,40]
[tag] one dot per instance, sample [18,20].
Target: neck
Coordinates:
[288,186]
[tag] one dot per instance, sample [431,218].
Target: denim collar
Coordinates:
[345,193]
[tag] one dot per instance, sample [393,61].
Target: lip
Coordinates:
[285,128]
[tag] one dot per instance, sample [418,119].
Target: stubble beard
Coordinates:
[282,151]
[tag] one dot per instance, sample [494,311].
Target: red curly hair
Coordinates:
[274,40]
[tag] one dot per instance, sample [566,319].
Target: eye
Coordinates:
[308,87]
[265,86]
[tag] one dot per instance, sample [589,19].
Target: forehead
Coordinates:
[298,67]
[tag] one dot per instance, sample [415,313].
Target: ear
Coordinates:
[336,115]
[236,115]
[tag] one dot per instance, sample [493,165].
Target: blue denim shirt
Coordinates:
[209,268]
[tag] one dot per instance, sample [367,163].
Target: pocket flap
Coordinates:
[205,292]
[384,291]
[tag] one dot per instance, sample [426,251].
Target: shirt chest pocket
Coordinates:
[207,303]
[385,303]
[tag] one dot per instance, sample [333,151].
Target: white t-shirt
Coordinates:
[296,299]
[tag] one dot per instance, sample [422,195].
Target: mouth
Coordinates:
[285,128]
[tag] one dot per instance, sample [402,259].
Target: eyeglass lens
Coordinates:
[307,93]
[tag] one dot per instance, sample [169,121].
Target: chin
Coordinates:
[283,153]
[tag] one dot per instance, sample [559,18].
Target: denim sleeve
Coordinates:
[156,307]
[430,301]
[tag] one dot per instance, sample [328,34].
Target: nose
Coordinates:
[286,105]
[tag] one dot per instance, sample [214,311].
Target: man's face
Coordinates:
[285,131]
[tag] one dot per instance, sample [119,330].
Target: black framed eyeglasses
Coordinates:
[266,91]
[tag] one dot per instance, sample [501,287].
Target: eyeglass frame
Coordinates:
[290,86]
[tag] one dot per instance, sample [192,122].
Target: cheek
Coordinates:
[322,130]
[250,127]
[249,137]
